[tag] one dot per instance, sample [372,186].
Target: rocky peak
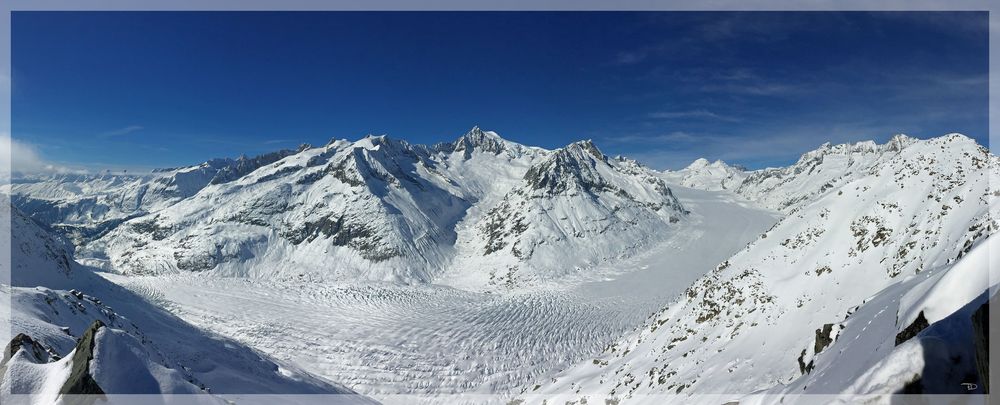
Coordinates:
[572,167]
[899,142]
[478,140]
[586,146]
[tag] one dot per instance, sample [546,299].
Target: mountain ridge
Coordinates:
[386,209]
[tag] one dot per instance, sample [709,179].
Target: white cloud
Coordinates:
[22,157]
[122,131]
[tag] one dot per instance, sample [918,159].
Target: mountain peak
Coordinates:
[697,164]
[479,140]
[587,146]
[575,165]
[475,131]
[378,142]
[702,164]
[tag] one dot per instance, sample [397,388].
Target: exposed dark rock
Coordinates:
[37,353]
[341,232]
[981,338]
[914,386]
[823,338]
[918,325]
[153,228]
[25,342]
[80,382]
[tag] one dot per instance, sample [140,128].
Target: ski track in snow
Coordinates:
[384,339]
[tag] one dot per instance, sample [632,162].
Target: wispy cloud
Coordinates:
[655,139]
[752,148]
[121,131]
[631,57]
[277,141]
[691,114]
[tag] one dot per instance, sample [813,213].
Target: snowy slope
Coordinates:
[705,175]
[760,318]
[376,205]
[818,172]
[869,355]
[75,330]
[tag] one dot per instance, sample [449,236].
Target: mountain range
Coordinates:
[869,283]
[385,209]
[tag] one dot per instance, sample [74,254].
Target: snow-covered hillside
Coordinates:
[705,175]
[818,172]
[898,238]
[72,332]
[381,209]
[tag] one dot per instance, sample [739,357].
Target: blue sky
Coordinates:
[141,90]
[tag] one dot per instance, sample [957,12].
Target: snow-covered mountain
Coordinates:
[85,206]
[75,333]
[576,200]
[818,171]
[850,294]
[379,209]
[705,175]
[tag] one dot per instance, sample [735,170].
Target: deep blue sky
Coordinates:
[141,90]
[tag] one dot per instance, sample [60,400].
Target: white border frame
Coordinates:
[9,6]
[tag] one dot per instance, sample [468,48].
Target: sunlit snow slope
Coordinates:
[72,332]
[889,234]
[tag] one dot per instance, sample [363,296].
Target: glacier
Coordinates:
[488,270]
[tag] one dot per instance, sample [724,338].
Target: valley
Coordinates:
[385,340]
